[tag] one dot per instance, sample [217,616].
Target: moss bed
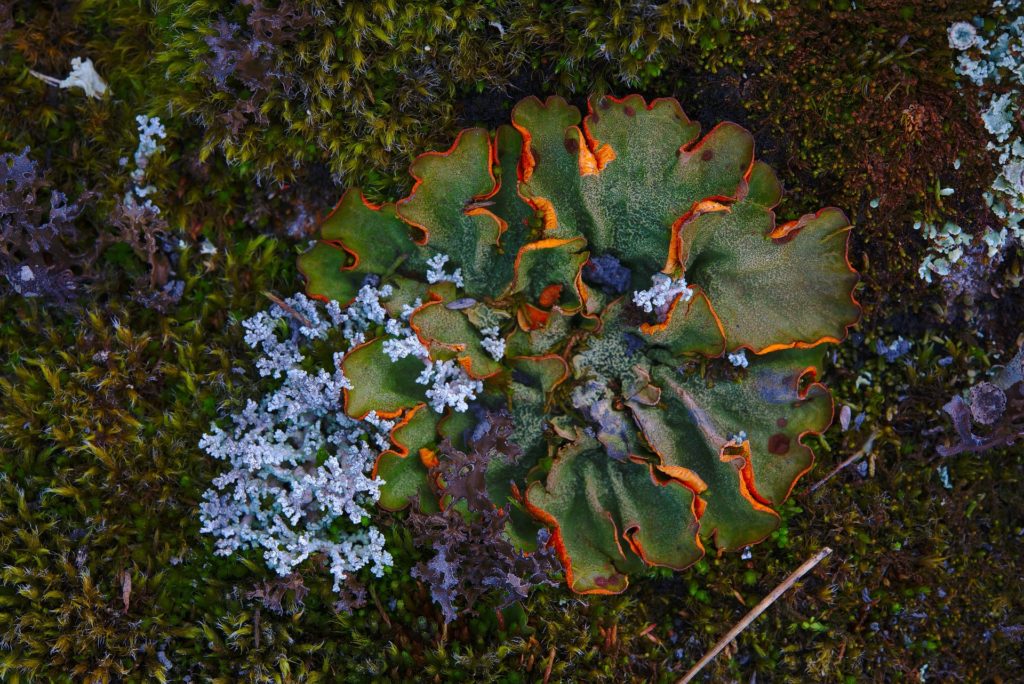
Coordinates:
[104,575]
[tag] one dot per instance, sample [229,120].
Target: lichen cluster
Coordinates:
[567,270]
[992,57]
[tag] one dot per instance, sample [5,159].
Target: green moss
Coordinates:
[381,82]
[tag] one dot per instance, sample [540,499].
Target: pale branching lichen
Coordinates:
[662,293]
[436,272]
[492,343]
[299,481]
[992,57]
[150,131]
[449,385]
[739,359]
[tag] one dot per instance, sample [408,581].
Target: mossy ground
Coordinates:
[104,575]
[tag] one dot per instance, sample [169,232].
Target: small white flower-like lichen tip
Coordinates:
[662,292]
[739,358]
[437,274]
[492,342]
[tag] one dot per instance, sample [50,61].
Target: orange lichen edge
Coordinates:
[730,454]
[648,106]
[428,457]
[494,164]
[594,156]
[338,244]
[418,181]
[786,231]
[530,317]
[528,162]
[691,481]
[549,217]
[337,205]
[593,161]
[558,543]
[675,474]
[745,478]
[676,259]
[401,449]
[483,211]
[636,547]
[692,147]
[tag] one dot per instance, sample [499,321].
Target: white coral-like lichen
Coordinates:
[492,343]
[300,468]
[739,359]
[436,272]
[364,311]
[151,130]
[450,386]
[662,292]
[408,344]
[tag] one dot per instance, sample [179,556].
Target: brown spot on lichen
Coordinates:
[782,422]
[629,111]
[708,155]
[608,581]
[572,146]
[778,443]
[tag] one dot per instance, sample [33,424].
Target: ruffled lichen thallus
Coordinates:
[619,285]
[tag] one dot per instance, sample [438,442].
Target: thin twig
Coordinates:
[863,451]
[551,664]
[288,309]
[754,613]
[380,608]
[49,80]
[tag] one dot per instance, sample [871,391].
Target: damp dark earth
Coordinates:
[511,341]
